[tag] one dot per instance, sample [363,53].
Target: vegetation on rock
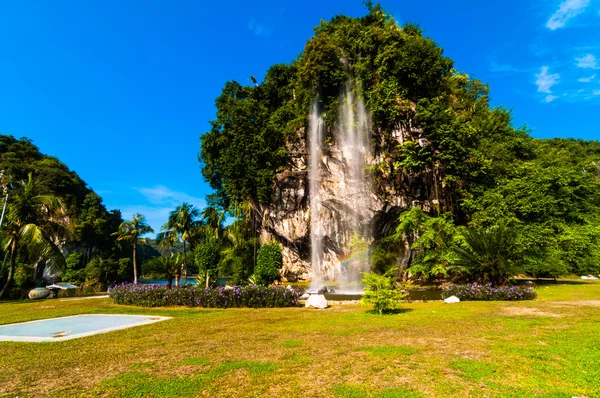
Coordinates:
[480,172]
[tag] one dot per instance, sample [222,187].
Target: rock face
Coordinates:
[287,219]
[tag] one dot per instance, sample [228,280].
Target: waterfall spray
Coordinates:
[339,204]
[315,132]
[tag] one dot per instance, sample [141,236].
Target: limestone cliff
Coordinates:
[287,219]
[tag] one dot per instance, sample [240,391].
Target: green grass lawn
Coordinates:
[547,347]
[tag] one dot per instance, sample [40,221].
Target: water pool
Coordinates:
[72,327]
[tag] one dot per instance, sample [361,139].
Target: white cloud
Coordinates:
[259,29]
[568,9]
[495,67]
[162,200]
[544,81]
[155,216]
[596,92]
[586,79]
[550,98]
[588,61]
[161,195]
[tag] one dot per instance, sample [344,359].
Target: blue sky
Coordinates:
[121,90]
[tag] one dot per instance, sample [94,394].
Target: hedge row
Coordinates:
[221,297]
[476,291]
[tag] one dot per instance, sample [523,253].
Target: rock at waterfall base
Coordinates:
[452,300]
[305,296]
[316,301]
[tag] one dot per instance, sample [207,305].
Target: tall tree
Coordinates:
[213,220]
[166,243]
[132,231]
[181,223]
[30,223]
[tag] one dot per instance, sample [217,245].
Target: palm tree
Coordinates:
[213,220]
[131,231]
[181,223]
[166,243]
[30,222]
[488,254]
[236,254]
[165,266]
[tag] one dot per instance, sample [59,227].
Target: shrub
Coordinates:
[24,275]
[488,254]
[480,292]
[207,258]
[268,263]
[234,297]
[73,272]
[107,271]
[381,291]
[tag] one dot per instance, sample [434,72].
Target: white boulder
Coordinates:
[316,301]
[452,300]
[305,296]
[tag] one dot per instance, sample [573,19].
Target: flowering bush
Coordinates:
[246,296]
[487,292]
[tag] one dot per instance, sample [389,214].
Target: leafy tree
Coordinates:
[207,255]
[24,275]
[73,271]
[268,264]
[132,232]
[88,221]
[213,222]
[243,148]
[164,267]
[381,291]
[553,201]
[30,222]
[181,223]
[238,248]
[429,242]
[108,271]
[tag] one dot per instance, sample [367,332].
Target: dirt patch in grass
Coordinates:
[578,303]
[529,311]
[388,351]
[474,349]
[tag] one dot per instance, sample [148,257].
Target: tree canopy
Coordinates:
[489,171]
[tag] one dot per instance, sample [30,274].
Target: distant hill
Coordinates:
[90,223]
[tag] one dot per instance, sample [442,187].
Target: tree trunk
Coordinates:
[207,278]
[11,270]
[169,281]
[135,279]
[184,270]
[406,258]
[254,231]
